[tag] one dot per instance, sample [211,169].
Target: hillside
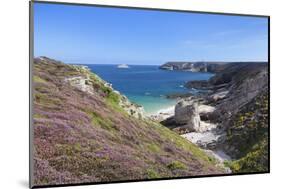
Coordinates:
[85,131]
[238,121]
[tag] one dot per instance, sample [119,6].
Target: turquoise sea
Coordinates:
[147,85]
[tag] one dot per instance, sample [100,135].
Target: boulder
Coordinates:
[186,114]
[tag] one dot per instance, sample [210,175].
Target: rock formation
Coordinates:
[186,115]
[239,94]
[212,67]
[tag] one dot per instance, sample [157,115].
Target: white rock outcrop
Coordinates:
[132,109]
[81,83]
[186,114]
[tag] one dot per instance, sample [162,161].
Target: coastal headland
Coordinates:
[84,128]
[229,116]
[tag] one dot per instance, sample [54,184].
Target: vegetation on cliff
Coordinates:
[82,134]
[239,94]
[247,135]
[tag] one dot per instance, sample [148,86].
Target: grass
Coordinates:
[39,116]
[176,165]
[66,149]
[153,148]
[38,79]
[44,99]
[113,100]
[104,123]
[152,174]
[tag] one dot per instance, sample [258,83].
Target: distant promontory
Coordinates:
[212,67]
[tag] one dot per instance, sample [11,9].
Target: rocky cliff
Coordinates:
[85,131]
[247,135]
[239,97]
[212,67]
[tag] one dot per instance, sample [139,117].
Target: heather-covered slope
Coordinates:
[83,134]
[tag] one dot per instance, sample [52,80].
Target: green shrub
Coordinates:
[255,161]
[113,97]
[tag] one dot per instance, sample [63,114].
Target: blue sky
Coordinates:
[93,35]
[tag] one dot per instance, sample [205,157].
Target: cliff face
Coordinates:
[243,114]
[85,131]
[247,135]
[185,66]
[212,67]
[239,96]
[240,84]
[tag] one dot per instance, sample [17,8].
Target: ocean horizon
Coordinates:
[147,85]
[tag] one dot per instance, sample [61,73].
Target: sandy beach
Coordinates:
[163,114]
[203,137]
